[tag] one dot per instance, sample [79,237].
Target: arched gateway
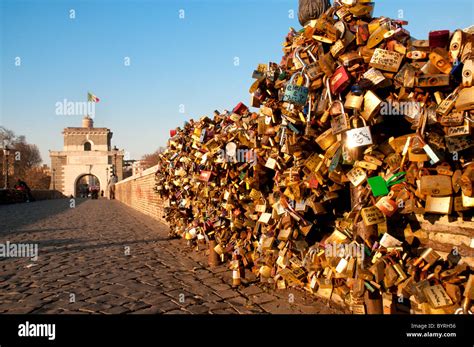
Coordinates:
[87,158]
[86,182]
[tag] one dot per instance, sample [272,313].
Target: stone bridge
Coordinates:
[101,256]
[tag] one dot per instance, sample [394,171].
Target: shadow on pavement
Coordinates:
[15,216]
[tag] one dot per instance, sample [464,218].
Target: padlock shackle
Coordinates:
[300,73]
[308,50]
[468,117]
[297,55]
[356,116]
[328,88]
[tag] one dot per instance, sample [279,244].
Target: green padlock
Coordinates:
[380,187]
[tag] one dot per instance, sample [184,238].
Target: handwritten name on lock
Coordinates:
[296,94]
[359,137]
[386,60]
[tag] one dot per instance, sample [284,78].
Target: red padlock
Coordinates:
[240,109]
[339,80]
[439,38]
[387,206]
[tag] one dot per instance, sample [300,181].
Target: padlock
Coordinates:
[467,71]
[465,99]
[386,60]
[455,46]
[432,80]
[439,185]
[295,94]
[354,99]
[339,120]
[452,119]
[380,187]
[313,70]
[377,36]
[337,48]
[439,38]
[417,55]
[387,206]
[358,137]
[339,80]
[447,104]
[466,181]
[439,58]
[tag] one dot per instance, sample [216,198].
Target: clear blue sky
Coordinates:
[173,61]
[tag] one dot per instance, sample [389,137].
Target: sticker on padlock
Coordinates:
[356,176]
[387,206]
[359,137]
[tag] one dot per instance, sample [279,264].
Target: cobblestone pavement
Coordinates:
[103,257]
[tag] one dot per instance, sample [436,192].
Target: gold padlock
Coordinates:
[354,101]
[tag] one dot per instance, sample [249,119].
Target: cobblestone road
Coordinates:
[102,257]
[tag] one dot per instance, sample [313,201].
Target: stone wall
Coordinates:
[442,233]
[138,193]
[47,194]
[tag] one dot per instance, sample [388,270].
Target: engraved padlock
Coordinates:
[339,121]
[447,104]
[313,70]
[294,93]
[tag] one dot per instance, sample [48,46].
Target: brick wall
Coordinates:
[137,192]
[442,233]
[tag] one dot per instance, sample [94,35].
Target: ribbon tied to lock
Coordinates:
[381,187]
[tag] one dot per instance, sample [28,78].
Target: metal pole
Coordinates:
[6,168]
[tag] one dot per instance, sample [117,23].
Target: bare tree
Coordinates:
[149,160]
[23,162]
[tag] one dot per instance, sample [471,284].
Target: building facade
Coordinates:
[87,160]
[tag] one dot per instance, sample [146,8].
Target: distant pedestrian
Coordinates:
[22,186]
[111,185]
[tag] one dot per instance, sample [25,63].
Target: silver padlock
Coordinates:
[358,137]
[339,122]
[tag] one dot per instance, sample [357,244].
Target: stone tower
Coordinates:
[87,157]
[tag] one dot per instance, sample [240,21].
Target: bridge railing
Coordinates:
[441,233]
[138,193]
[11,196]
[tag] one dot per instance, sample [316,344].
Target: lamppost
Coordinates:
[115,160]
[6,154]
[54,179]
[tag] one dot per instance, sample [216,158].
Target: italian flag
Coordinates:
[92,98]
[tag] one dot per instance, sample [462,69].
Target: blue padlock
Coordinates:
[295,94]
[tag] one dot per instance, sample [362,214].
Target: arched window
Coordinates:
[87,146]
